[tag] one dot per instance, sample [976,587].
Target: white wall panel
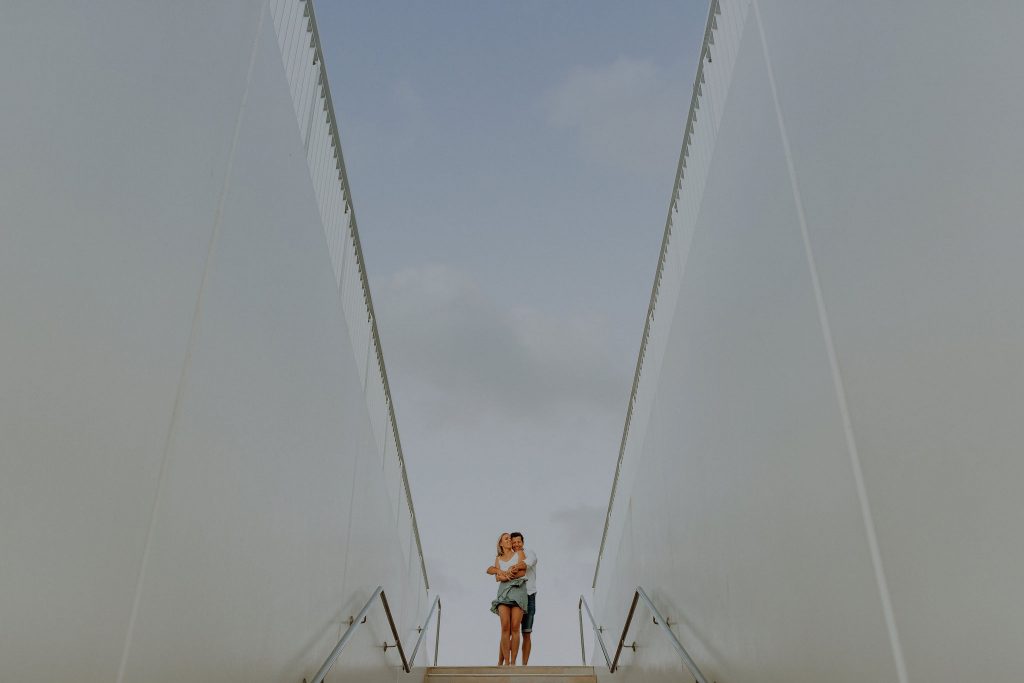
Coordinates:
[109,188]
[908,159]
[738,505]
[252,503]
[190,484]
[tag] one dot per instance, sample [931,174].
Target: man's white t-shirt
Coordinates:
[531,571]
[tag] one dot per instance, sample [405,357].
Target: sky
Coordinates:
[511,165]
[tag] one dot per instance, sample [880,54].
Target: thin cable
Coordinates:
[837,377]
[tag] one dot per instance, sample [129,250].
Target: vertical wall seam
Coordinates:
[837,378]
[187,364]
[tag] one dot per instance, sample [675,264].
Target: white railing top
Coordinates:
[332,121]
[705,54]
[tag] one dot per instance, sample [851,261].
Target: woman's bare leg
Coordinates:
[504,613]
[515,621]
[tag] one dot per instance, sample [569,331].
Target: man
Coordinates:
[529,568]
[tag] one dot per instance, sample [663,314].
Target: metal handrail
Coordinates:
[360,619]
[705,53]
[597,632]
[423,631]
[663,623]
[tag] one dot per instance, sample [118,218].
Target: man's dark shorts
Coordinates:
[530,613]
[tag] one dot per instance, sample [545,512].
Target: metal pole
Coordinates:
[690,664]
[437,638]
[583,650]
[394,632]
[600,640]
[625,630]
[336,652]
[423,632]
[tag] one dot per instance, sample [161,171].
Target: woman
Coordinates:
[511,601]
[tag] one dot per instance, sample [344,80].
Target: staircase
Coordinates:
[506,674]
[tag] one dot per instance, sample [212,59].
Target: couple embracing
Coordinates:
[515,570]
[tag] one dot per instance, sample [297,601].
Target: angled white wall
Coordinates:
[820,477]
[198,472]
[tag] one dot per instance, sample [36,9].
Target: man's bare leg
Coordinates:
[526,648]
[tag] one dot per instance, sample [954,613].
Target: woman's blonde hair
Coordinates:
[503,535]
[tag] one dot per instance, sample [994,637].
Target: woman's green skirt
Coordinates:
[511,593]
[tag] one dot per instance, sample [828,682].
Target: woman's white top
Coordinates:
[505,566]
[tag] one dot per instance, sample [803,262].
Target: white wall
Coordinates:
[198,475]
[765,396]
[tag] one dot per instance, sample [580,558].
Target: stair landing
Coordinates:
[510,674]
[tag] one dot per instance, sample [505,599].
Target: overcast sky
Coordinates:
[511,164]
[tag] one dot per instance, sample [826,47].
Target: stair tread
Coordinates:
[506,674]
[506,669]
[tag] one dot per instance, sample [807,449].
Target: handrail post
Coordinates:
[625,630]
[394,632]
[437,636]
[583,649]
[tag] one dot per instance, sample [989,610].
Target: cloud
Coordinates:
[626,114]
[465,354]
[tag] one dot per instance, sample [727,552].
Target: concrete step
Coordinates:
[510,674]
